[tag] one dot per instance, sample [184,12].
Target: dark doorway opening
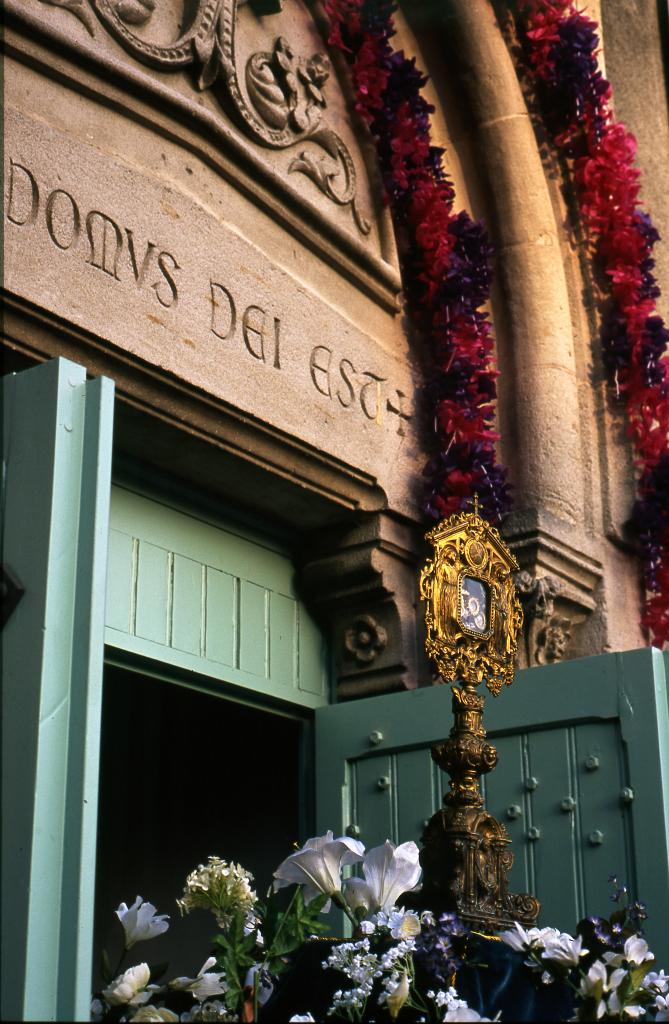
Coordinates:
[183,775]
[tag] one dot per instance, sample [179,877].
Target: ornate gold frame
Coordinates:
[465,545]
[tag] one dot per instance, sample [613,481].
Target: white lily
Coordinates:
[205,985]
[635,952]
[389,871]
[317,866]
[563,949]
[140,921]
[599,984]
[129,987]
[534,938]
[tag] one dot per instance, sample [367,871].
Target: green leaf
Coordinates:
[106,968]
[637,974]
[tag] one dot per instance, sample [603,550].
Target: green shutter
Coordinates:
[56,473]
[212,600]
[591,730]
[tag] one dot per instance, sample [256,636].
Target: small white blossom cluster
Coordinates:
[220,887]
[359,965]
[362,967]
[453,1008]
[395,970]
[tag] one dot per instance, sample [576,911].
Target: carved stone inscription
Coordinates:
[142,266]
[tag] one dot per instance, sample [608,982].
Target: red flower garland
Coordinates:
[562,43]
[445,261]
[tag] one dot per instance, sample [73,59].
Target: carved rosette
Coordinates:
[473,615]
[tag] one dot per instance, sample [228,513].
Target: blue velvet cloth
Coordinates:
[493,978]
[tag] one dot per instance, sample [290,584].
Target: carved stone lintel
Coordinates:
[361,584]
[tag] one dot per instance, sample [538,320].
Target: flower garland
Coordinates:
[445,257]
[562,45]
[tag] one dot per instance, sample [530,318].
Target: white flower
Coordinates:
[563,949]
[389,871]
[661,1008]
[140,922]
[367,927]
[615,1008]
[205,985]
[223,888]
[656,981]
[317,866]
[456,1008]
[403,924]
[129,987]
[635,952]
[464,1014]
[533,938]
[155,1015]
[598,983]
[298,1018]
[397,996]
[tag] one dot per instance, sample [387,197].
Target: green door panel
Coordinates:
[213,600]
[572,739]
[56,469]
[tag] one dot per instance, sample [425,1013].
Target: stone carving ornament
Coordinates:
[283,105]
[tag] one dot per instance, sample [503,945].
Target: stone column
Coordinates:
[541,411]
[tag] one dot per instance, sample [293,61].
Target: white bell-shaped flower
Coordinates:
[140,921]
[318,865]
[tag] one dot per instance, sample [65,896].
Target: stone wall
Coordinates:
[192,208]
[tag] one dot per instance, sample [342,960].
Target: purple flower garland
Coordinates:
[562,45]
[445,258]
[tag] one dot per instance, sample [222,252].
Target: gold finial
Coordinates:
[474,501]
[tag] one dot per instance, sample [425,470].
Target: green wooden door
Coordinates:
[582,782]
[56,479]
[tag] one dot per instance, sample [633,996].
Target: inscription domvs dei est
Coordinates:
[141,265]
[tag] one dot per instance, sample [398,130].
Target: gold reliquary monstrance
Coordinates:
[473,619]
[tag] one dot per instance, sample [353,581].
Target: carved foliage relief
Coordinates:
[263,68]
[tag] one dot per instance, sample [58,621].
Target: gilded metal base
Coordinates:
[466,857]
